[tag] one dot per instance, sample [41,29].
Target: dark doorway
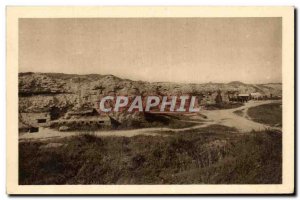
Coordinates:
[41,120]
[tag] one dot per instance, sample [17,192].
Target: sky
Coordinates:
[184,50]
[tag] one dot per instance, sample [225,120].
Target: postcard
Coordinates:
[150,100]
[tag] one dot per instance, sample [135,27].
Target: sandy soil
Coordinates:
[221,117]
[242,123]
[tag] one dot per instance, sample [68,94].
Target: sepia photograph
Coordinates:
[168,100]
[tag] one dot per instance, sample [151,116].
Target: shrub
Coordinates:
[211,155]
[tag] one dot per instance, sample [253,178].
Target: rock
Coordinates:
[64,128]
[41,91]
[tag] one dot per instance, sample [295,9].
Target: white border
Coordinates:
[13,13]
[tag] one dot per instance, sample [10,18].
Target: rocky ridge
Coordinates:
[39,92]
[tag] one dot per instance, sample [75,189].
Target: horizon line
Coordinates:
[152,81]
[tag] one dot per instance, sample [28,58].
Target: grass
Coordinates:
[177,124]
[212,155]
[239,113]
[270,114]
[159,120]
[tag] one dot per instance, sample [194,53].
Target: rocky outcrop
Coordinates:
[41,92]
[34,84]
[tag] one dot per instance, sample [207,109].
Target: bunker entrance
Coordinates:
[41,120]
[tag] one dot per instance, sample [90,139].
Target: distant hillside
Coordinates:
[39,91]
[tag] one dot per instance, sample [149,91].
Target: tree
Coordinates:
[219,98]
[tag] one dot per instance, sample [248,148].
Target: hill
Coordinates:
[38,92]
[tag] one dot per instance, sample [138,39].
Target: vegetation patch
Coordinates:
[239,113]
[212,155]
[270,114]
[159,120]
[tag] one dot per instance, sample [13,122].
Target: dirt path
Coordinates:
[221,117]
[229,118]
[46,133]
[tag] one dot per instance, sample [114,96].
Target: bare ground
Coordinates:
[220,117]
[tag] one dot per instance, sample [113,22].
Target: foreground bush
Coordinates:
[214,155]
